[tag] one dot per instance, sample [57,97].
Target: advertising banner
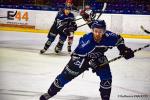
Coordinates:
[17,17]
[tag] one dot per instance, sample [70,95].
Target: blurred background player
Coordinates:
[90,54]
[88,15]
[64,25]
[69,3]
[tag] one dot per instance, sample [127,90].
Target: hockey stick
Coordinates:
[116,58]
[11,15]
[78,19]
[82,25]
[146,31]
[103,9]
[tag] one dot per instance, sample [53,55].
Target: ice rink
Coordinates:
[25,74]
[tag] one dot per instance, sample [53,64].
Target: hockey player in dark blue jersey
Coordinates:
[64,25]
[90,54]
[69,3]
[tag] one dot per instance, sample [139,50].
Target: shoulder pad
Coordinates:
[84,35]
[109,33]
[87,36]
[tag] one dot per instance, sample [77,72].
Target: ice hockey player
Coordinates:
[88,15]
[90,54]
[69,3]
[63,25]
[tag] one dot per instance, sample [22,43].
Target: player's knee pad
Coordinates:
[105,89]
[69,73]
[66,76]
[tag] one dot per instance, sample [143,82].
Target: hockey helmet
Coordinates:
[67,7]
[99,24]
[67,10]
[68,1]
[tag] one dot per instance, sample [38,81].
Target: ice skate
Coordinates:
[45,96]
[42,51]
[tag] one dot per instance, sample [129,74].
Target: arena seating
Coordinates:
[119,7]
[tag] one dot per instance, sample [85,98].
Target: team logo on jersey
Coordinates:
[85,43]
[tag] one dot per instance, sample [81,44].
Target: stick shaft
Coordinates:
[104,7]
[116,58]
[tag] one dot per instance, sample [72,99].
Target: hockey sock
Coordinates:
[47,44]
[105,89]
[59,46]
[70,41]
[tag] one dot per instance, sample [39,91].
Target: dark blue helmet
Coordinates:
[98,24]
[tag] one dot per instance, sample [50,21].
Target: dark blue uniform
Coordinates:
[87,43]
[63,25]
[89,54]
[61,22]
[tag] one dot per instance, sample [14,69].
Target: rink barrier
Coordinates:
[31,29]
[18,26]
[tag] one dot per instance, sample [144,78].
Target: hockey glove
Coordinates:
[127,53]
[94,63]
[68,30]
[84,15]
[71,29]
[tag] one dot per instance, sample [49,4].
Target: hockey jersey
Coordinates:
[64,20]
[87,45]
